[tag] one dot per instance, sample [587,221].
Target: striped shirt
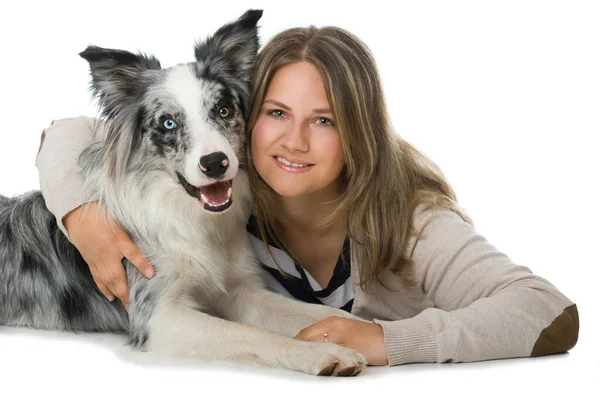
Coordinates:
[300,284]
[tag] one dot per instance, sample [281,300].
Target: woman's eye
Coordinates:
[277,114]
[224,112]
[324,121]
[169,124]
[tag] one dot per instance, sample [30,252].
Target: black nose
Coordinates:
[214,165]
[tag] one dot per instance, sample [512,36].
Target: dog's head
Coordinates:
[186,121]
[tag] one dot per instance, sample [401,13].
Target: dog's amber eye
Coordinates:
[224,112]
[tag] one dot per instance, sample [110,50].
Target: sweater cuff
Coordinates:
[68,196]
[409,341]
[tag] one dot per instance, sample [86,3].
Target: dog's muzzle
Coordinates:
[216,197]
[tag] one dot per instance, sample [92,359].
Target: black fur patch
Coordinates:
[33,267]
[8,235]
[75,306]
[138,128]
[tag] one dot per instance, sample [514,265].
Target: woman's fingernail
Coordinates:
[110,298]
[127,307]
[148,273]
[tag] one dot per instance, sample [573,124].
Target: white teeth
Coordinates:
[291,164]
[219,205]
[205,199]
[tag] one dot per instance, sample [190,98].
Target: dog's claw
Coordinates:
[348,371]
[328,370]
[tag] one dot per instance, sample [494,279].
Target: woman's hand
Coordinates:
[364,337]
[103,245]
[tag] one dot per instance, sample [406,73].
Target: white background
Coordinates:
[504,96]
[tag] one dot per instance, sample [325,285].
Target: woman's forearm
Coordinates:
[485,305]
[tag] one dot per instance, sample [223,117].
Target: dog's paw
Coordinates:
[332,360]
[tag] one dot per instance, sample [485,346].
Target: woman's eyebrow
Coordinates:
[322,111]
[280,104]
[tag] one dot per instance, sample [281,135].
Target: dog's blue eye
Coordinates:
[169,124]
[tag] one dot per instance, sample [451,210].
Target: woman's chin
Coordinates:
[287,186]
[286,190]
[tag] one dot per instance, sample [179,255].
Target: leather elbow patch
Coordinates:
[561,335]
[42,140]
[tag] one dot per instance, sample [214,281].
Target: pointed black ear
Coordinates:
[116,74]
[233,48]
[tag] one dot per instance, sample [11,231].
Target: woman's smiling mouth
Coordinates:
[292,166]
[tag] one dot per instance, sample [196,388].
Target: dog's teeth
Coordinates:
[204,198]
[229,191]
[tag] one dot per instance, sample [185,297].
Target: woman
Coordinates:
[346,214]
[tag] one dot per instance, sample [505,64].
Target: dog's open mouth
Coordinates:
[215,197]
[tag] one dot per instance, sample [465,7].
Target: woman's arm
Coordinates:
[485,305]
[61,180]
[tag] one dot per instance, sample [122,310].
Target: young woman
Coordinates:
[346,214]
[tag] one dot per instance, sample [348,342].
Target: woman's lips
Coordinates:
[289,168]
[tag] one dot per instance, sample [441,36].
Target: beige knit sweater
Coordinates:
[471,301]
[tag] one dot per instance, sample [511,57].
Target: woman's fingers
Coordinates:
[115,279]
[105,291]
[316,332]
[133,253]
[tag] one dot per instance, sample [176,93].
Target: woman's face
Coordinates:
[296,147]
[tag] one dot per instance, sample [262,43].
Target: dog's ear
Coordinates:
[116,74]
[233,48]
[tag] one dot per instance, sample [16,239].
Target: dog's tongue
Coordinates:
[215,193]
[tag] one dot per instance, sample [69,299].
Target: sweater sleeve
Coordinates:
[61,179]
[485,305]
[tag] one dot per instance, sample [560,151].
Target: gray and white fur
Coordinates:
[173,134]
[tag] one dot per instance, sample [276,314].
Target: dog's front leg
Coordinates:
[176,330]
[254,305]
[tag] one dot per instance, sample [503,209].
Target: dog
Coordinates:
[170,172]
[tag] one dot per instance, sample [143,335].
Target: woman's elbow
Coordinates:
[561,335]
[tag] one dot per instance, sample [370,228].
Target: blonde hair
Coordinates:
[385,177]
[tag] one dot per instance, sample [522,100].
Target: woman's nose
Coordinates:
[296,138]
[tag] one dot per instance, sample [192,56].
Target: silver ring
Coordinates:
[326,338]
